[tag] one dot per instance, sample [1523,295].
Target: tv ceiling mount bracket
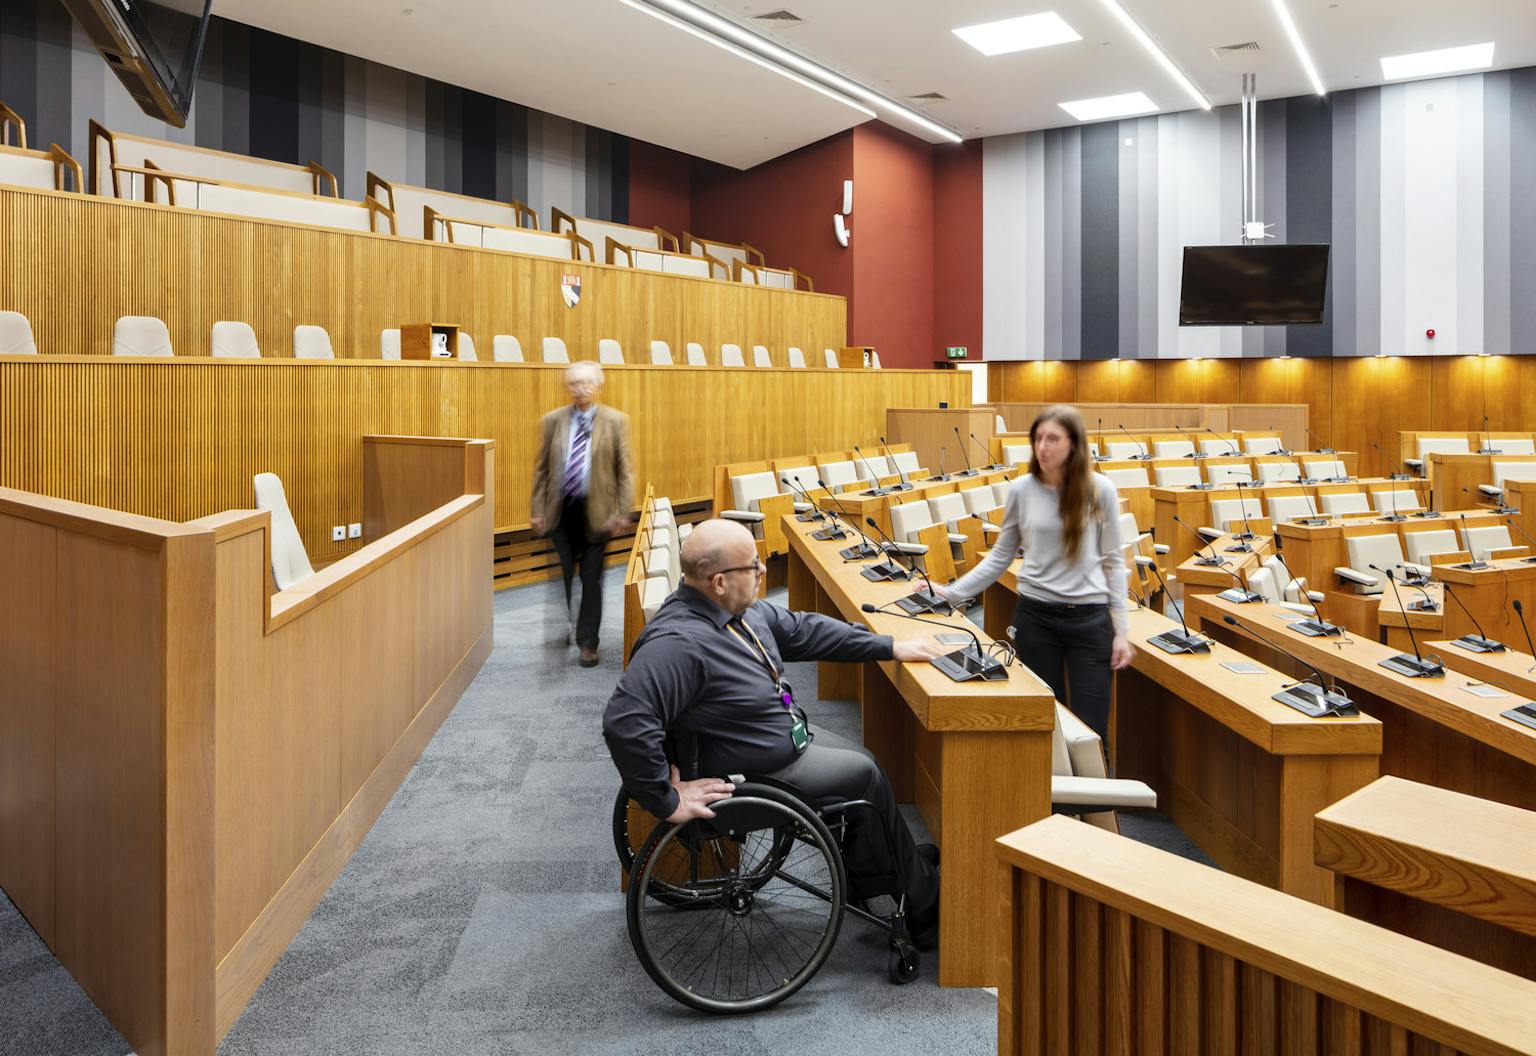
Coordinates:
[1254,229]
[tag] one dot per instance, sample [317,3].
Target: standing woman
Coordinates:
[1070,624]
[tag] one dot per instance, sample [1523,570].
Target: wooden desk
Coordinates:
[858,505]
[1489,593]
[1446,868]
[974,757]
[1116,947]
[1511,669]
[1521,494]
[1436,731]
[1393,622]
[1454,479]
[1210,579]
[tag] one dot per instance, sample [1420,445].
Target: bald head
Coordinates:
[714,545]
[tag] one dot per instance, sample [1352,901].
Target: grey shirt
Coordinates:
[1032,523]
[689,673]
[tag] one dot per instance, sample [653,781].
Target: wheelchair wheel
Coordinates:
[754,902]
[632,825]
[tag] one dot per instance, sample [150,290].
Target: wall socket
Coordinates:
[355,530]
[338,533]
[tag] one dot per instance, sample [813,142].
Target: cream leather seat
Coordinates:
[1342,502]
[1279,472]
[1384,551]
[233,340]
[467,353]
[141,335]
[1177,476]
[389,343]
[829,357]
[290,564]
[661,354]
[730,356]
[609,352]
[554,351]
[1291,508]
[1134,477]
[16,335]
[312,342]
[796,358]
[506,349]
[695,352]
[1423,546]
[1229,473]
[760,356]
[1173,448]
[1485,538]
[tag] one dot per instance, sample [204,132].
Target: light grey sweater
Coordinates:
[1032,522]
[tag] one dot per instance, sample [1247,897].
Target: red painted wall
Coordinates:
[892,245]
[957,247]
[660,187]
[783,207]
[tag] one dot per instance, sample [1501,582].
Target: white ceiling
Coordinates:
[603,63]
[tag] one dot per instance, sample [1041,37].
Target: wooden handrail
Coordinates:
[63,163]
[319,173]
[10,119]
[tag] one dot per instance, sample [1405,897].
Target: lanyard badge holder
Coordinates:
[799,732]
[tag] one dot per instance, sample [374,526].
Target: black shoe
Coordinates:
[924,927]
[929,851]
[588,656]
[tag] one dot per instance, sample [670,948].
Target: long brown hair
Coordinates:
[1079,498]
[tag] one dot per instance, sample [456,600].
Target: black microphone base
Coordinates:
[808,517]
[1200,487]
[1141,458]
[1489,451]
[968,473]
[903,486]
[1210,560]
[940,478]
[920,601]
[1393,517]
[1238,548]
[1313,522]
[1324,451]
[1311,480]
[1309,700]
[1179,642]
[1430,513]
[832,531]
[1400,476]
[1317,628]
[1476,643]
[883,571]
[1240,597]
[1423,605]
[1525,715]
[962,665]
[874,493]
[860,552]
[1412,666]
[1472,566]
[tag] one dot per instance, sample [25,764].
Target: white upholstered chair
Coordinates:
[290,564]
[233,340]
[1438,445]
[1132,477]
[506,349]
[950,509]
[554,351]
[796,358]
[312,342]
[838,474]
[829,357]
[904,462]
[389,343]
[1327,469]
[980,500]
[16,335]
[695,353]
[1385,551]
[1485,538]
[141,335]
[1219,445]
[1122,448]
[760,356]
[1342,502]
[1422,546]
[1229,473]
[609,352]
[661,354]
[998,425]
[1279,472]
[1177,476]
[1394,500]
[1514,445]
[1016,454]
[1262,445]
[467,353]
[730,356]
[1503,471]
[1079,778]
[874,360]
[1173,448]
[1225,511]
[1291,508]
[909,518]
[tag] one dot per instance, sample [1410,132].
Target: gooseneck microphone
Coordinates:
[1139,445]
[1213,558]
[902,483]
[1323,699]
[874,478]
[1314,626]
[1474,564]
[888,568]
[967,471]
[1501,509]
[1317,448]
[960,665]
[1520,612]
[1182,641]
[1282,449]
[865,549]
[1488,448]
[816,513]
[1509,522]
[1231,444]
[1243,537]
[1473,643]
[1414,666]
[918,601]
[1395,475]
[941,475]
[990,464]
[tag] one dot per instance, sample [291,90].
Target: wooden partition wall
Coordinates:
[74,263]
[1352,403]
[186,760]
[179,438]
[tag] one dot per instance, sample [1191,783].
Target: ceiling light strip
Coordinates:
[1169,66]
[1283,13]
[713,27]
[744,54]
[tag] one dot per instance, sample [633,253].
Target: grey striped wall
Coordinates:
[1424,190]
[275,97]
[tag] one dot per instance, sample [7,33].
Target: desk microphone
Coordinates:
[1139,445]
[1394,515]
[918,601]
[1500,509]
[968,471]
[1474,564]
[941,475]
[1205,559]
[1246,534]
[1196,453]
[1488,448]
[1175,641]
[1427,603]
[903,484]
[1312,628]
[1282,450]
[1509,522]
[1473,643]
[1414,666]
[864,549]
[1231,446]
[959,665]
[1317,448]
[874,478]
[815,513]
[1520,612]
[1383,455]
[887,568]
[990,465]
[1103,451]
[1316,519]
[1316,701]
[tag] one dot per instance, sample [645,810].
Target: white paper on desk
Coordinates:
[1242,667]
[1485,691]
[1290,617]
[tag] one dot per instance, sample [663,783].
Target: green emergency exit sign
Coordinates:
[956,352]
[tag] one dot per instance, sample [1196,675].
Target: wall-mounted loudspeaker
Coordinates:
[847,197]
[840,229]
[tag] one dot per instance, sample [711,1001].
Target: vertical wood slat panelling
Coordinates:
[1353,403]
[182,438]
[74,264]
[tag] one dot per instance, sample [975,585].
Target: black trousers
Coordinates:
[1068,647]
[576,545]
[831,770]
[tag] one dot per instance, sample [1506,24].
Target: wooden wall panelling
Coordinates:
[1510,389]
[1406,393]
[1359,394]
[1219,380]
[1456,388]
[1099,381]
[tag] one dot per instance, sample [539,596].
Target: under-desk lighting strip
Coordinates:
[740,41]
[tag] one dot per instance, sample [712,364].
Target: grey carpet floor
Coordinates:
[481,915]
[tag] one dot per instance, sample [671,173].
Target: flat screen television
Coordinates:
[155,48]
[1253,285]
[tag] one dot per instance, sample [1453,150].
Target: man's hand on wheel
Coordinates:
[913,650]
[694,797]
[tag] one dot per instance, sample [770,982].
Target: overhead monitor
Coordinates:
[155,48]
[1255,285]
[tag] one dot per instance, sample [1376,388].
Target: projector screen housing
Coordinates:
[155,48]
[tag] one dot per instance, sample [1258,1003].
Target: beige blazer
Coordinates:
[611,481]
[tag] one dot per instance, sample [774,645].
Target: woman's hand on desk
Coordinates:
[915,650]
[694,797]
[1121,653]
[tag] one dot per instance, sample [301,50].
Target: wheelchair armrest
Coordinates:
[744,516]
[1355,576]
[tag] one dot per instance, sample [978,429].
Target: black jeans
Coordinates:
[1068,647]
[832,770]
[576,545]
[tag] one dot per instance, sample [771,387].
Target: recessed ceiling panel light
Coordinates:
[1018,34]
[1108,106]
[1430,63]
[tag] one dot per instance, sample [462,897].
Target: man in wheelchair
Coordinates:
[709,666]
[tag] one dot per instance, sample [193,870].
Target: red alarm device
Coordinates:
[1429,333]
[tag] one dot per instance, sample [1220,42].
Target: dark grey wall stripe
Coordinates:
[1099,164]
[1128,155]
[275,97]
[1522,211]
[1309,201]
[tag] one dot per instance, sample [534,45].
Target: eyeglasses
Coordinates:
[756,567]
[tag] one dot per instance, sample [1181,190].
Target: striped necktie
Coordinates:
[575,465]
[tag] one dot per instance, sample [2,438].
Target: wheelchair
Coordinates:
[735,913]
